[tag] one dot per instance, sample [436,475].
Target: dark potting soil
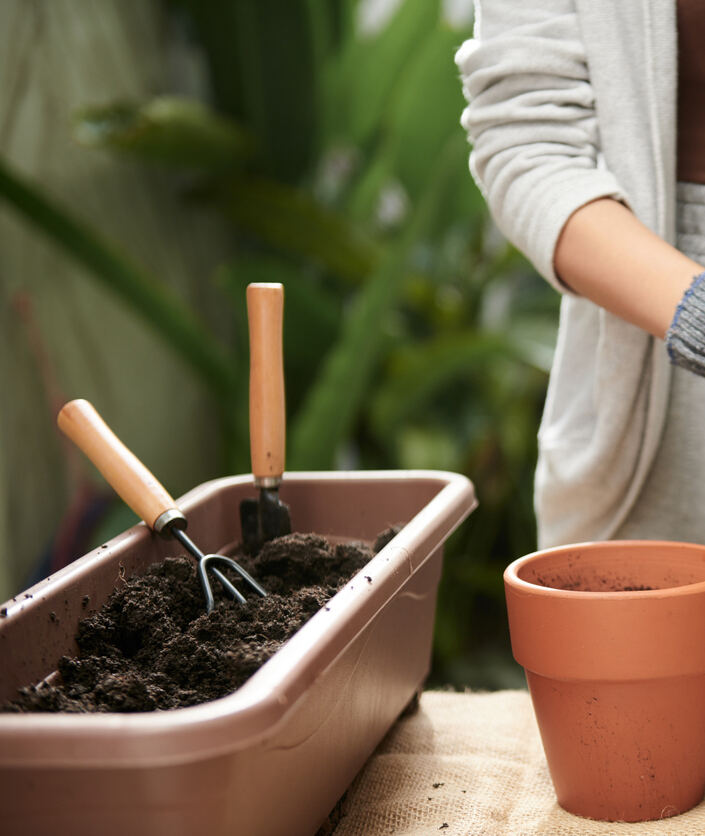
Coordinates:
[591,584]
[152,646]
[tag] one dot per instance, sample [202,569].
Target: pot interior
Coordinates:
[628,566]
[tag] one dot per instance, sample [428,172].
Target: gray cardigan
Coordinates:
[571,100]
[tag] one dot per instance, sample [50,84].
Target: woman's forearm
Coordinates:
[607,255]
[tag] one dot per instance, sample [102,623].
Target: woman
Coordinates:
[574,122]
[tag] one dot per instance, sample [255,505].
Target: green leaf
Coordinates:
[427,447]
[293,222]
[263,59]
[280,96]
[170,130]
[363,83]
[335,399]
[213,25]
[175,323]
[430,86]
[332,24]
[419,372]
[364,197]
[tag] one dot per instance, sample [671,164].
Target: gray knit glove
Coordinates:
[685,339]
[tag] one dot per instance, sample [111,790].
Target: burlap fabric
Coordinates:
[472,765]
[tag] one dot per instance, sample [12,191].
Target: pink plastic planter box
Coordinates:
[272,758]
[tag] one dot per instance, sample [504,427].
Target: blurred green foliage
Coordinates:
[415,337]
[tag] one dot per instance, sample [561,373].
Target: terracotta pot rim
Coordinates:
[512,579]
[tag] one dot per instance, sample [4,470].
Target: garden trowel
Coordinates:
[267,516]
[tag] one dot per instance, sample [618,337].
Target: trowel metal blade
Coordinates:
[263,519]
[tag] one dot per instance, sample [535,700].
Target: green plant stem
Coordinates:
[170,318]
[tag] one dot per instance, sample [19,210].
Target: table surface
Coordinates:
[472,765]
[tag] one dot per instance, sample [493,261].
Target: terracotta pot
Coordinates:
[612,639]
[272,758]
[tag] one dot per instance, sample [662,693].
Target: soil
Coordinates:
[153,647]
[591,584]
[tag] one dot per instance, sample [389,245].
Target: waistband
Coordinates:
[690,220]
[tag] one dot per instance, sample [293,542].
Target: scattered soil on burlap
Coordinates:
[152,646]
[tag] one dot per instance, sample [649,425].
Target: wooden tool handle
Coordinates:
[265,312]
[123,471]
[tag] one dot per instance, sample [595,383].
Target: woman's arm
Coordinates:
[607,255]
[536,155]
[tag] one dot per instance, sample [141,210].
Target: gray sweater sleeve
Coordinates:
[685,339]
[531,119]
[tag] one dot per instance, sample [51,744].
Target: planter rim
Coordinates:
[609,636]
[262,703]
[511,573]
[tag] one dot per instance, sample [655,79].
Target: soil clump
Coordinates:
[152,646]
